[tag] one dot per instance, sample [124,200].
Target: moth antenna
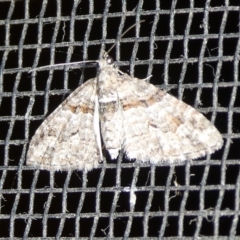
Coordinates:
[124,34]
[60,65]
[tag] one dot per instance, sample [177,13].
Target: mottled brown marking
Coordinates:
[41,135]
[72,108]
[152,125]
[80,108]
[177,121]
[86,109]
[141,103]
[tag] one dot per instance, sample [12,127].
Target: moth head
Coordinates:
[105,60]
[109,60]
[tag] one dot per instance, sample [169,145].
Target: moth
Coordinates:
[115,111]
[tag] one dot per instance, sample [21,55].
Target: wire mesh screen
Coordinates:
[191,49]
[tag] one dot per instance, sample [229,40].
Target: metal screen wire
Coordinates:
[191,49]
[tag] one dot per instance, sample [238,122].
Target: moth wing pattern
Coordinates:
[160,128]
[66,139]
